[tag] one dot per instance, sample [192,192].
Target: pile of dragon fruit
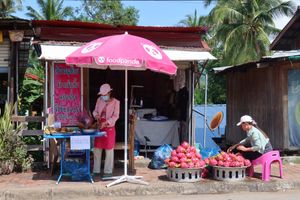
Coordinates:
[228,160]
[185,156]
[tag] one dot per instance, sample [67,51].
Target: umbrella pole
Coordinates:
[126,121]
[125,177]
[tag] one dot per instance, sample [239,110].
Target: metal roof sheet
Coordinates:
[58,30]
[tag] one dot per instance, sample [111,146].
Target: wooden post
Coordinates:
[132,121]
[12,73]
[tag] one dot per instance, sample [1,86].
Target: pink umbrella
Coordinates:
[123,52]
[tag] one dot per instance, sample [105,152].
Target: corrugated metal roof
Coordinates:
[16,24]
[62,23]
[58,30]
[276,55]
[282,54]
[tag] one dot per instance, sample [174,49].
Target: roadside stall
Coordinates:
[159,92]
[123,52]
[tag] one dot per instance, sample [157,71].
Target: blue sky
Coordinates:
[166,13]
[152,13]
[160,13]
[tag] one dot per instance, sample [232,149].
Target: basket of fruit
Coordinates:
[185,164]
[228,166]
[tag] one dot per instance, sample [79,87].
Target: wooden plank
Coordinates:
[16,118]
[121,146]
[31,132]
[147,150]
[34,147]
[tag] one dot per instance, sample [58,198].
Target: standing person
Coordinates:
[255,144]
[106,113]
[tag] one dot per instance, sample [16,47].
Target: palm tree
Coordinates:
[8,7]
[193,20]
[243,27]
[50,10]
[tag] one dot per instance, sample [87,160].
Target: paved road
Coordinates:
[288,195]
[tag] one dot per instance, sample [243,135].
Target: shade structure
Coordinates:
[123,52]
[57,52]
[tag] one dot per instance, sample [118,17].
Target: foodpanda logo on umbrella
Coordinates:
[101,59]
[118,61]
[152,51]
[91,47]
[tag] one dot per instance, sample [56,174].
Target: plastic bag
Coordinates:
[208,152]
[136,147]
[161,153]
[85,120]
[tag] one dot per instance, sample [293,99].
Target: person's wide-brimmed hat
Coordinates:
[245,118]
[104,89]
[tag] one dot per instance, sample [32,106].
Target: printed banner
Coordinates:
[67,89]
[294,107]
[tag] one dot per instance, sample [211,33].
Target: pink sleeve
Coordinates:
[115,115]
[95,112]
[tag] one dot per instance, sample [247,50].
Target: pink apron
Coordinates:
[107,142]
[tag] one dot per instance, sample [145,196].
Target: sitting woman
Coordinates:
[255,144]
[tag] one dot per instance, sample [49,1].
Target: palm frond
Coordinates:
[50,10]
[286,8]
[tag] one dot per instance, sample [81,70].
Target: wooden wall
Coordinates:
[261,93]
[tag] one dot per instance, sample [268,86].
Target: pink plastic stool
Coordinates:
[266,160]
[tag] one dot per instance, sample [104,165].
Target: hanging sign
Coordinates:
[67,90]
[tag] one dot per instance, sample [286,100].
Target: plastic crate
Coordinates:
[187,175]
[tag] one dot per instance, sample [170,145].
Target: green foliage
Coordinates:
[50,10]
[242,27]
[193,20]
[199,94]
[33,83]
[8,7]
[217,82]
[12,148]
[239,33]
[216,91]
[107,12]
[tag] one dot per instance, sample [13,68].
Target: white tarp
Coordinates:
[55,52]
[180,55]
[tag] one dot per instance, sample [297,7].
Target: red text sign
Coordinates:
[67,87]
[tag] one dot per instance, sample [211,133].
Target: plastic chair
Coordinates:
[266,160]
